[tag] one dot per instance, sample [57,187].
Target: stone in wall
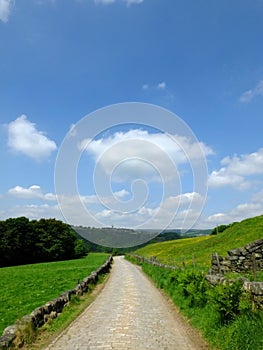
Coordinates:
[247,259]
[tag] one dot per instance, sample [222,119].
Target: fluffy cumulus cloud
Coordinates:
[138,153]
[238,170]
[5,9]
[173,211]
[249,95]
[32,192]
[182,200]
[253,207]
[23,137]
[35,192]
[175,208]
[32,211]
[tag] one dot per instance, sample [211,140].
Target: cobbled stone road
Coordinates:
[129,313]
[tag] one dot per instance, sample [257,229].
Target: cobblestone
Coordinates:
[129,314]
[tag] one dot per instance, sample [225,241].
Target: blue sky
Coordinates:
[62,60]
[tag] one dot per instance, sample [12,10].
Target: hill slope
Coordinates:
[201,248]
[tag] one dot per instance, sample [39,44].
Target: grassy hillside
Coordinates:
[173,252]
[23,288]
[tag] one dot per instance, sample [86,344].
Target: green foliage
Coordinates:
[25,287]
[194,287]
[226,299]
[245,333]
[23,241]
[80,248]
[220,228]
[224,313]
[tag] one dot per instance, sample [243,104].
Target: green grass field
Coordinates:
[23,288]
[201,248]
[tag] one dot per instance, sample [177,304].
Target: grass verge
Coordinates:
[224,314]
[52,329]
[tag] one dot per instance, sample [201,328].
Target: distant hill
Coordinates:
[114,237]
[121,237]
[199,249]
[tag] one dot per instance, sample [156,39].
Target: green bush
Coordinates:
[194,287]
[226,299]
[224,313]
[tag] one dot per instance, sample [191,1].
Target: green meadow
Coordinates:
[198,250]
[26,287]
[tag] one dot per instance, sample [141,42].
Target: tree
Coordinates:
[80,248]
[23,241]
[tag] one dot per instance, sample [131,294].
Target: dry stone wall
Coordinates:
[50,310]
[254,288]
[240,260]
[247,259]
[152,260]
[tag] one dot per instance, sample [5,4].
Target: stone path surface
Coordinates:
[129,313]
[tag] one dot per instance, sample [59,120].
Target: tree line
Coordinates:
[23,241]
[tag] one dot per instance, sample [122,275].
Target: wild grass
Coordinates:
[224,313]
[24,288]
[197,251]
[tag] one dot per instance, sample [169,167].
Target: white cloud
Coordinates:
[242,211]
[156,86]
[5,9]
[122,193]
[176,207]
[249,95]
[223,178]
[95,199]
[32,192]
[237,169]
[35,192]
[161,86]
[33,212]
[23,137]
[182,200]
[246,164]
[140,154]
